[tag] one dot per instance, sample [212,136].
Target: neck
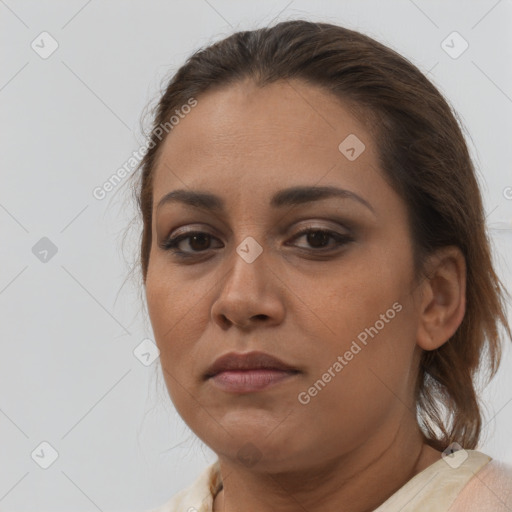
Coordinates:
[358,481]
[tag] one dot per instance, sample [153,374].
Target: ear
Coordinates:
[443,298]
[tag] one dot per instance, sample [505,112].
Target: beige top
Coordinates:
[467,481]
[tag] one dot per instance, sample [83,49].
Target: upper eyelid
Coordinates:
[298,231]
[332,225]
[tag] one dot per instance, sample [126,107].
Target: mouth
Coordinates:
[247,361]
[248,372]
[250,381]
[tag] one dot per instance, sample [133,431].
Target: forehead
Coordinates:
[258,137]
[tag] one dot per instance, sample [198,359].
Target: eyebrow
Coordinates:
[287,197]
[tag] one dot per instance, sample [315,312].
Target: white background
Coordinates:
[68,327]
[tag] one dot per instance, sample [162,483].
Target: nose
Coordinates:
[250,294]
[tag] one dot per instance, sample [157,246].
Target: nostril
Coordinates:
[225,321]
[260,317]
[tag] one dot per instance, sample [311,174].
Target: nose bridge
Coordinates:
[247,263]
[246,288]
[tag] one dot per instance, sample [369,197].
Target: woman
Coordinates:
[318,278]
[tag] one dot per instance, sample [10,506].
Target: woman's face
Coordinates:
[338,306]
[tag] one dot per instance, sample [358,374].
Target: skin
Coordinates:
[357,441]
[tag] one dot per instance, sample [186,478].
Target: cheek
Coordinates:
[351,296]
[174,313]
[177,318]
[362,309]
[364,373]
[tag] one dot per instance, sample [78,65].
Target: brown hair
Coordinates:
[424,157]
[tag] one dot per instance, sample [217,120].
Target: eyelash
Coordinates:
[172,244]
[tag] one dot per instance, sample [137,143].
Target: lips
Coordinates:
[247,361]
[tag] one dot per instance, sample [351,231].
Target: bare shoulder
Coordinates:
[490,490]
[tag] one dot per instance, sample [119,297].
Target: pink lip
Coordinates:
[246,361]
[247,381]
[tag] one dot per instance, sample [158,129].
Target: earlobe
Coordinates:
[443,298]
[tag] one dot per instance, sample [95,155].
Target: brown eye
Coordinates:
[198,241]
[319,238]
